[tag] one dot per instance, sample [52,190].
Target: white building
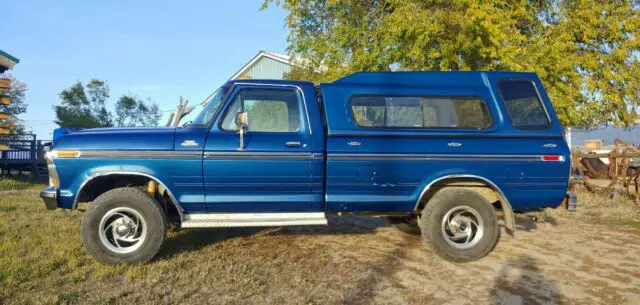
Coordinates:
[265,65]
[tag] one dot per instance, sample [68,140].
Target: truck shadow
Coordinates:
[526,223]
[382,271]
[520,281]
[195,239]
[339,226]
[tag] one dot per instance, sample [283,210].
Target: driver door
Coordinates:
[271,172]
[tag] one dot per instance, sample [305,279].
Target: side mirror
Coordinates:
[242,122]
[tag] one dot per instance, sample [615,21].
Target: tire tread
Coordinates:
[130,197]
[448,197]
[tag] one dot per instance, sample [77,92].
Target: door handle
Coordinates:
[293,144]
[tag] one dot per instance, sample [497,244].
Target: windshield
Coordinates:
[211,107]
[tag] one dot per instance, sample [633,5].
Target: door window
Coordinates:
[267,110]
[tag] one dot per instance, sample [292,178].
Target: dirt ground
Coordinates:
[364,261]
[355,260]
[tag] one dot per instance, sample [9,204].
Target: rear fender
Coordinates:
[431,188]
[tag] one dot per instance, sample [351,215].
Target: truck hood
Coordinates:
[139,138]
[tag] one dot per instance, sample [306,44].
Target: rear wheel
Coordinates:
[123,225]
[407,224]
[460,225]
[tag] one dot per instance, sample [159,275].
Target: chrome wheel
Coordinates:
[122,230]
[462,227]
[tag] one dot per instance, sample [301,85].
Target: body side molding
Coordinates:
[429,157]
[140,154]
[261,155]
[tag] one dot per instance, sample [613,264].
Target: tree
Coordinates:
[86,107]
[17,93]
[131,111]
[587,53]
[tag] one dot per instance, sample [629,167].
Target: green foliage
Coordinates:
[587,53]
[17,93]
[472,113]
[267,116]
[421,112]
[85,107]
[131,111]
[526,112]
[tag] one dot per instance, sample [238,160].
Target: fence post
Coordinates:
[34,159]
[40,150]
[5,164]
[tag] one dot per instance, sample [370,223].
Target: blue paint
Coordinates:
[154,138]
[310,177]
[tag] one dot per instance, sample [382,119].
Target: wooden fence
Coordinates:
[25,154]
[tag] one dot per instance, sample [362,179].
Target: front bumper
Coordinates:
[50,197]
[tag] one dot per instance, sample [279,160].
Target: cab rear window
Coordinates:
[420,112]
[523,104]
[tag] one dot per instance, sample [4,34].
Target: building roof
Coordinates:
[7,61]
[262,54]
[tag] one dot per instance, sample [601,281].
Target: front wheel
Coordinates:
[123,225]
[460,225]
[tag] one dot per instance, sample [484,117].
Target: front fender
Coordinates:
[76,173]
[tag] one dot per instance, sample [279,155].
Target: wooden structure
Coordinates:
[621,170]
[182,111]
[7,123]
[24,154]
[7,61]
[596,144]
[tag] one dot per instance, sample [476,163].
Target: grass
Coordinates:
[15,183]
[603,209]
[42,260]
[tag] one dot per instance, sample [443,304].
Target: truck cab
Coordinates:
[436,152]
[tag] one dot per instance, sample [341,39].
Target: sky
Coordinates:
[608,134]
[153,49]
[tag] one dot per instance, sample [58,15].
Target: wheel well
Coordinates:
[486,190]
[98,185]
[484,187]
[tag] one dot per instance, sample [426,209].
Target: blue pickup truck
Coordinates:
[441,154]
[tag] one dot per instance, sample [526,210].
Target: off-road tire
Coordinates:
[432,218]
[406,224]
[127,197]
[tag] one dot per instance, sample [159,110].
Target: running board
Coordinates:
[252,220]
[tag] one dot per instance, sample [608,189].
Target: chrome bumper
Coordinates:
[50,197]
